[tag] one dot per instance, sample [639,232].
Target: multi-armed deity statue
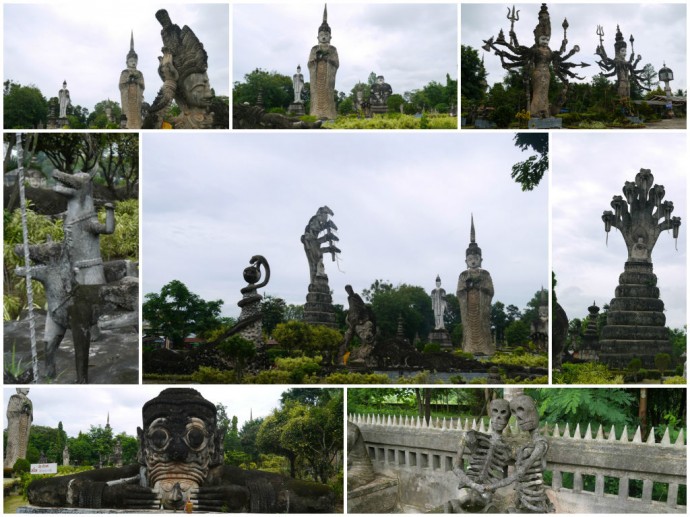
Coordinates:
[625,71]
[319,231]
[323,64]
[475,292]
[183,71]
[536,61]
[19,417]
[635,325]
[180,461]
[132,89]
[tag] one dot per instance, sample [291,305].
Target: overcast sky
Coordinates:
[86,44]
[409,44]
[659,32]
[588,170]
[79,407]
[402,205]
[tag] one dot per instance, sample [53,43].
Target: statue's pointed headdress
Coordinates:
[324,25]
[620,40]
[543,28]
[473,248]
[131,53]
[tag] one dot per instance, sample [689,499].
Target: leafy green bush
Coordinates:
[209,375]
[431,348]
[394,121]
[123,243]
[675,379]
[20,466]
[356,378]
[586,373]
[463,355]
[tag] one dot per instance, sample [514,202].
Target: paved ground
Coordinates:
[113,357]
[670,123]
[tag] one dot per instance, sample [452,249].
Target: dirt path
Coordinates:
[669,123]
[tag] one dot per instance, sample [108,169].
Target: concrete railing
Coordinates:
[422,456]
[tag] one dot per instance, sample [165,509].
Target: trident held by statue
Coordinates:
[600,33]
[513,16]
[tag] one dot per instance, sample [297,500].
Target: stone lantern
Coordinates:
[666,76]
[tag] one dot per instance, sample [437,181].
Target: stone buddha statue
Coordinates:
[323,64]
[180,460]
[475,292]
[132,89]
[65,101]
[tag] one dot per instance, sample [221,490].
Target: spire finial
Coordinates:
[131,41]
[472,234]
[325,13]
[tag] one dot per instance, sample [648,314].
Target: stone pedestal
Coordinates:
[545,123]
[297,109]
[319,307]
[442,337]
[379,109]
[635,325]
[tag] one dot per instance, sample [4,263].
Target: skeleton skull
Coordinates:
[500,414]
[525,412]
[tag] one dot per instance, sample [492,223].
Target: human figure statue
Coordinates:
[183,69]
[625,70]
[181,458]
[117,453]
[438,304]
[361,322]
[537,61]
[530,462]
[323,64]
[65,456]
[65,101]
[20,414]
[132,89]
[298,84]
[475,292]
[489,458]
[319,231]
[539,327]
[380,91]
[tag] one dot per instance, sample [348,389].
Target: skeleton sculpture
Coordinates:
[489,457]
[530,462]
[536,61]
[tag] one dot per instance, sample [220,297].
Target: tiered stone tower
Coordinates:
[319,307]
[589,351]
[635,324]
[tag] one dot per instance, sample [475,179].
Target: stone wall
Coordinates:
[421,456]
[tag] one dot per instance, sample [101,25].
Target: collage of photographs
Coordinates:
[200,197]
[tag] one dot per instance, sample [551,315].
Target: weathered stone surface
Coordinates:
[380,91]
[625,70]
[636,323]
[323,64]
[20,414]
[181,457]
[475,292]
[537,61]
[132,89]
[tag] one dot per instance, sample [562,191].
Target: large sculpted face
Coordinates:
[473,260]
[131,62]
[179,444]
[324,37]
[197,90]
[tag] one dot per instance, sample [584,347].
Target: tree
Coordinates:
[272,312]
[473,74]
[248,436]
[268,438]
[177,312]
[119,163]
[394,102]
[499,320]
[584,405]
[529,173]
[276,89]
[72,152]
[238,350]
[451,318]
[25,107]
[662,361]
[517,333]
[649,77]
[98,118]
[412,303]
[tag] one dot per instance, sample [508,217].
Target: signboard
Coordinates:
[44,468]
[669,105]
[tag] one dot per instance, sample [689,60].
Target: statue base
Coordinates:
[319,307]
[379,110]
[545,123]
[296,109]
[635,324]
[442,337]
[482,123]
